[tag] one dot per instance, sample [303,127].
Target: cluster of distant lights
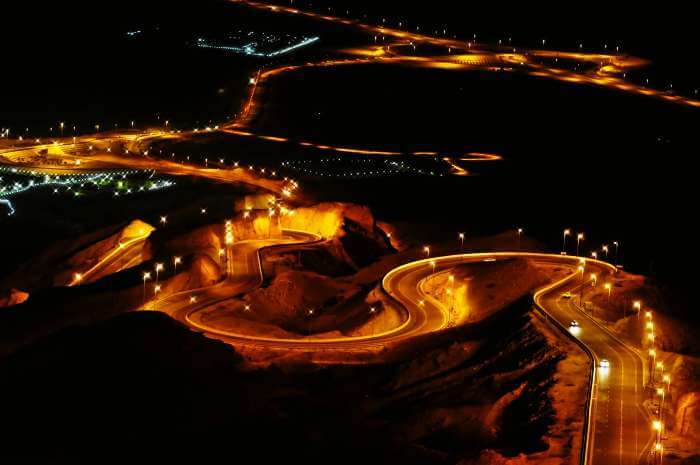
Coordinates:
[259,42]
[68,182]
[364,168]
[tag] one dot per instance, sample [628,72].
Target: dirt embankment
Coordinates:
[475,291]
[12,297]
[125,249]
[57,264]
[488,390]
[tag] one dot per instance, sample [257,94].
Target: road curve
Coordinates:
[617,429]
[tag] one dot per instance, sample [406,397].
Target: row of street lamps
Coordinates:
[660,385]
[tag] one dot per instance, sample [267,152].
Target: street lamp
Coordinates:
[579,238]
[520,233]
[662,394]
[605,249]
[176,262]
[567,232]
[146,277]
[163,219]
[659,450]
[608,287]
[637,305]
[617,246]
[658,426]
[159,268]
[433,264]
[426,250]
[461,238]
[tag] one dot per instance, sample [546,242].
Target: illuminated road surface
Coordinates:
[82,157]
[619,432]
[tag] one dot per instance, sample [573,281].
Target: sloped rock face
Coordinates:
[12,297]
[207,239]
[291,294]
[92,255]
[353,226]
[688,416]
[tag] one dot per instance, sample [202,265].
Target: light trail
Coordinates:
[121,249]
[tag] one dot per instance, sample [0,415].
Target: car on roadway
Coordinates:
[573,324]
[604,363]
[566,295]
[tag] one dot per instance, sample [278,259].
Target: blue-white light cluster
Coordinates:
[260,45]
[67,183]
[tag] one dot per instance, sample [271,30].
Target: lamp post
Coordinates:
[662,395]
[461,238]
[567,232]
[579,238]
[176,262]
[652,362]
[659,451]
[159,268]
[520,234]
[146,277]
[582,269]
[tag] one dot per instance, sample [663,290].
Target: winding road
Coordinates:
[617,429]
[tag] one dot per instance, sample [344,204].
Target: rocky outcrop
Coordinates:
[12,297]
[687,423]
[99,252]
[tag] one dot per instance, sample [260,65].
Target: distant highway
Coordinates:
[82,156]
